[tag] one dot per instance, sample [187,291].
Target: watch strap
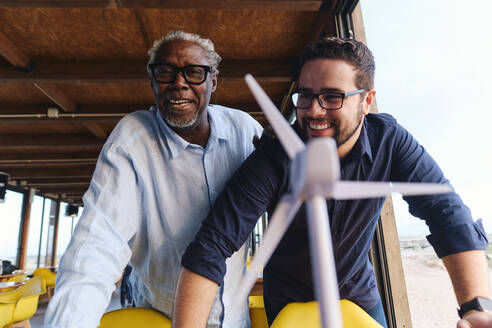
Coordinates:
[478,304]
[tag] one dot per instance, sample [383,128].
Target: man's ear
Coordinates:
[214,82]
[369,100]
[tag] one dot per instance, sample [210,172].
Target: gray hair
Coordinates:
[207,45]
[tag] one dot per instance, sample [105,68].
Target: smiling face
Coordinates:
[344,124]
[183,105]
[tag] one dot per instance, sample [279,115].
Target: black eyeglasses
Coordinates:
[165,73]
[327,100]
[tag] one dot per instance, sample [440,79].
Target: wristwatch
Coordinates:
[478,303]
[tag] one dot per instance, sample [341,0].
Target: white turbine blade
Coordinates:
[287,136]
[323,263]
[367,189]
[280,221]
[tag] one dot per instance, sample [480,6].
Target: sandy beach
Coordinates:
[430,292]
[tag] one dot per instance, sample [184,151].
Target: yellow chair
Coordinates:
[18,278]
[257,312]
[49,278]
[19,305]
[135,318]
[307,315]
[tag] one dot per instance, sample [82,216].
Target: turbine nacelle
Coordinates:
[314,169]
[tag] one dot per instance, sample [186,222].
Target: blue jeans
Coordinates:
[377,313]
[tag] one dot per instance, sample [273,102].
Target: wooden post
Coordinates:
[385,252]
[55,233]
[24,228]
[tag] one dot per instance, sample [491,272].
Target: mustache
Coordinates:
[307,120]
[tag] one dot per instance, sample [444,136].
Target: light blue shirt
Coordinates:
[150,191]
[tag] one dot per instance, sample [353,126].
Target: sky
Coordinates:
[433,73]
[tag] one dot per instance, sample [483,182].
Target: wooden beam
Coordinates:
[91,113]
[43,165]
[99,110]
[72,199]
[40,119]
[24,228]
[96,130]
[57,182]
[112,72]
[51,173]
[57,96]
[292,5]
[41,158]
[57,3]
[67,190]
[59,185]
[47,182]
[10,52]
[48,143]
[299,5]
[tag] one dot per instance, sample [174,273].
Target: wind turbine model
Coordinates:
[314,177]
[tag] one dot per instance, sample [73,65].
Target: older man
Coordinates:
[156,178]
[335,92]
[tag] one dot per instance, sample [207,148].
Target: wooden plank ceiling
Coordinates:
[86,59]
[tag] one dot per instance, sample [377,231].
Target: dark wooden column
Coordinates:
[24,227]
[55,233]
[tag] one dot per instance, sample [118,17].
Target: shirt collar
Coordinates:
[362,145]
[176,144]
[219,128]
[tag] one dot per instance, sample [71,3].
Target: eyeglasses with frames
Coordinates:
[165,73]
[328,100]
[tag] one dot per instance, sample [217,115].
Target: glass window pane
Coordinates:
[10,218]
[66,225]
[33,239]
[43,261]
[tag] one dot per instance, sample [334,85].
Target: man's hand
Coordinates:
[268,131]
[476,319]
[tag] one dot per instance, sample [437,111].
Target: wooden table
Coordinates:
[9,285]
[6,277]
[257,288]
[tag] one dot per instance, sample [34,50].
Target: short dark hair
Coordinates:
[352,51]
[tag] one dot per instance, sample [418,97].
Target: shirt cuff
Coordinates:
[460,238]
[199,259]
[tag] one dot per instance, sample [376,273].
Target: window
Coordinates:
[38,235]
[66,226]
[10,218]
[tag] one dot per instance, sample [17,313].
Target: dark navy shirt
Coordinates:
[385,151]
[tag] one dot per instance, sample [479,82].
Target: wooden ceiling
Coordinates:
[86,59]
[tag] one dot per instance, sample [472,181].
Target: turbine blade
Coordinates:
[281,219]
[363,189]
[287,136]
[323,262]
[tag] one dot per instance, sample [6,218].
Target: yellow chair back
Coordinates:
[6,313]
[257,312]
[18,278]
[307,315]
[47,274]
[21,303]
[135,318]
